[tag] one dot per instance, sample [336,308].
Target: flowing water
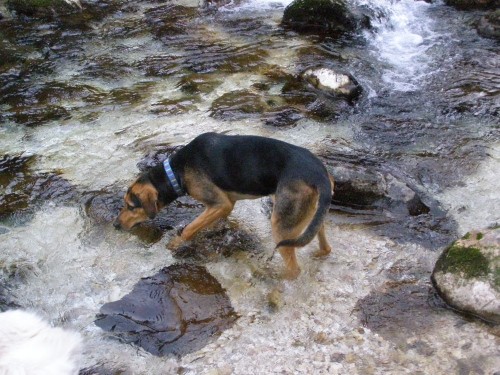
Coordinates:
[83,102]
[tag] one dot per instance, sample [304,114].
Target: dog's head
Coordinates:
[141,204]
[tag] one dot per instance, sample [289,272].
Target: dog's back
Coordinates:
[250,164]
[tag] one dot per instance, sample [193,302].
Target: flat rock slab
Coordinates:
[177,311]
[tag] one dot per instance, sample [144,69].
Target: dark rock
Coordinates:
[285,117]
[43,8]
[177,311]
[467,274]
[489,25]
[473,4]
[332,17]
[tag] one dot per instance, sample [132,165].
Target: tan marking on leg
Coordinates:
[292,269]
[217,202]
[209,216]
[324,247]
[293,210]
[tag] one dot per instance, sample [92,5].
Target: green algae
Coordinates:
[468,261]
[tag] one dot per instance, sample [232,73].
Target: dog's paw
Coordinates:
[321,253]
[175,242]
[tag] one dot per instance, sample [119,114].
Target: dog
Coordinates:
[30,346]
[219,170]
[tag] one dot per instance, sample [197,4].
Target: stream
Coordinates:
[86,102]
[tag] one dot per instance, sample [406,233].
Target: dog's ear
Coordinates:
[149,200]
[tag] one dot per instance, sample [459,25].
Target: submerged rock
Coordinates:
[324,16]
[22,189]
[237,105]
[177,311]
[467,274]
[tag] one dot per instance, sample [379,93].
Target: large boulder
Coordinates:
[331,17]
[467,274]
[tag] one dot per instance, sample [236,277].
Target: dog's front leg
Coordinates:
[209,216]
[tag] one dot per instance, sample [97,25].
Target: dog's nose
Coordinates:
[117,224]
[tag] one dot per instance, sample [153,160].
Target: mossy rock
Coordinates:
[467,274]
[320,16]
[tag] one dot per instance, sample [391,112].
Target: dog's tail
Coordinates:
[325,198]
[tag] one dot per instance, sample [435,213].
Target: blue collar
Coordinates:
[171,178]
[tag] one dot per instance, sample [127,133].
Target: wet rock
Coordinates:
[224,239]
[159,65]
[473,4]
[284,117]
[332,82]
[398,311]
[467,274]
[22,190]
[237,105]
[41,103]
[361,183]
[198,84]
[489,25]
[332,17]
[43,8]
[175,106]
[177,311]
[170,20]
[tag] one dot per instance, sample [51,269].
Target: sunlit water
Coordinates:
[71,267]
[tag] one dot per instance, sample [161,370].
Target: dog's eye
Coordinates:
[130,208]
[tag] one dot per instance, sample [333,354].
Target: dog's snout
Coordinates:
[117,224]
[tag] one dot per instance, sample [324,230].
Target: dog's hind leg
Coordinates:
[295,205]
[324,247]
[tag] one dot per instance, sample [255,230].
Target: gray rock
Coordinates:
[467,274]
[332,82]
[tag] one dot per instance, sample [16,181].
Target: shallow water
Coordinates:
[428,118]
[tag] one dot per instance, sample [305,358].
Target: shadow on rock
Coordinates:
[177,311]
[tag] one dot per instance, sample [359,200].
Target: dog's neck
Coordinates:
[172,179]
[158,177]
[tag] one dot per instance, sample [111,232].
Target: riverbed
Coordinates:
[84,102]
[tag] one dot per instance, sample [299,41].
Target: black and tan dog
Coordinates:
[219,169]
